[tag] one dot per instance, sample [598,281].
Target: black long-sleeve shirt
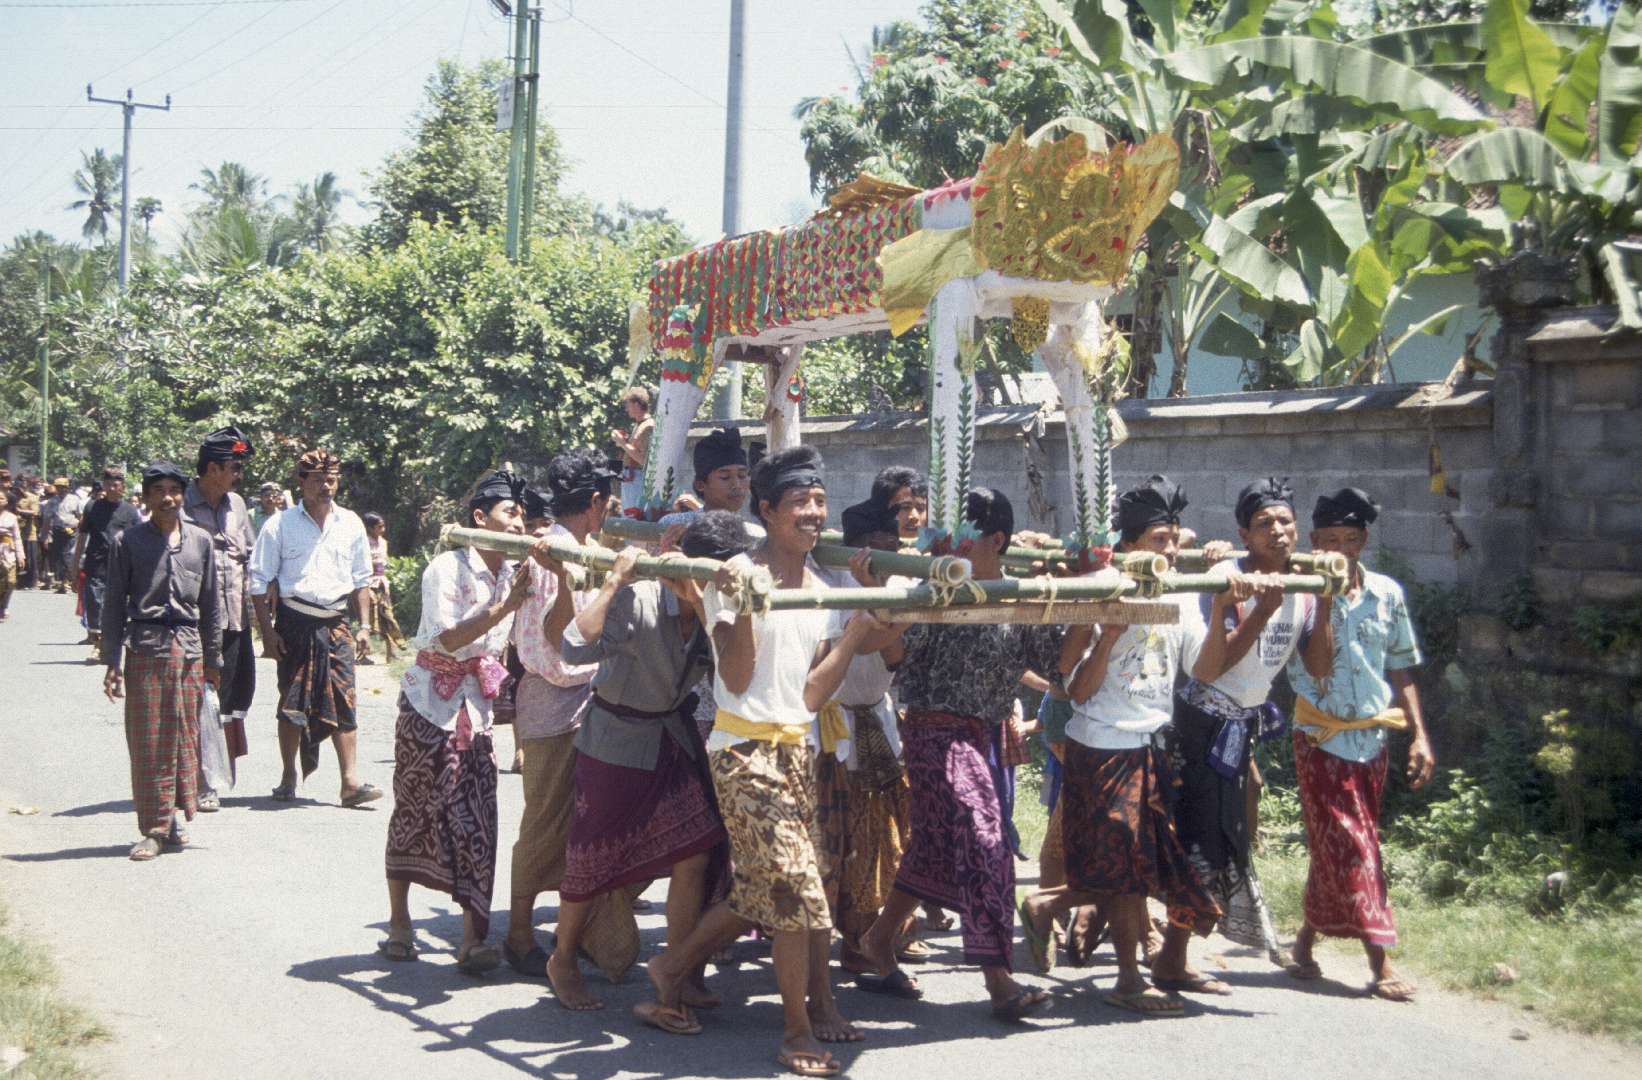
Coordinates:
[158,593]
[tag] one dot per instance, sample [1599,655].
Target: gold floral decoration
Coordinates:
[1030,321]
[1057,212]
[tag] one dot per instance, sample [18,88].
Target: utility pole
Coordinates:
[527,196]
[129,108]
[727,406]
[515,144]
[45,365]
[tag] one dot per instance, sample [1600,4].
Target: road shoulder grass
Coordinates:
[33,1017]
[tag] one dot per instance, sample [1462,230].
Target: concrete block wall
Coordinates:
[1587,460]
[1376,438]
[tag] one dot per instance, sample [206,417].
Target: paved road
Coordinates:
[252,954]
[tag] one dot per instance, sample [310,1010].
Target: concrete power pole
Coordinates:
[727,406]
[129,108]
[516,139]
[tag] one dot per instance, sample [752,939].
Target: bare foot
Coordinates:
[806,1057]
[695,994]
[669,986]
[568,987]
[830,1026]
[878,948]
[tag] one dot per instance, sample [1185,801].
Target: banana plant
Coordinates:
[1265,102]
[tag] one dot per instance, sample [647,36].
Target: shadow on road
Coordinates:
[107,851]
[113,806]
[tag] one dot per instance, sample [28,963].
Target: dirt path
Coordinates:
[251,955]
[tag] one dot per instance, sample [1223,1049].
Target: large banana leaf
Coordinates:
[1225,336]
[1247,262]
[1308,114]
[1459,44]
[1313,355]
[1570,108]
[1619,102]
[1522,58]
[1332,68]
[1523,157]
[1099,31]
[1364,314]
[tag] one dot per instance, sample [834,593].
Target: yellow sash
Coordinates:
[1308,715]
[834,727]
[788,734]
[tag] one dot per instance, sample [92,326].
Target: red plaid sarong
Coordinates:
[162,734]
[1345,886]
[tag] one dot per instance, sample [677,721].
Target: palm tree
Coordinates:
[95,181]
[147,209]
[316,211]
[232,184]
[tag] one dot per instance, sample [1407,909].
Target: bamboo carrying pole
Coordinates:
[1004,590]
[757,581]
[942,570]
[1301,562]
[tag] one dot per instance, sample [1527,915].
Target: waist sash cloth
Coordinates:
[1117,826]
[958,853]
[1309,715]
[442,834]
[162,734]
[1345,884]
[316,678]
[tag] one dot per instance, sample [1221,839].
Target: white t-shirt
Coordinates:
[1248,682]
[785,643]
[1137,696]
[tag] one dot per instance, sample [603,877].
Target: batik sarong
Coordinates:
[633,825]
[442,834]
[767,797]
[877,829]
[1345,886]
[1212,746]
[316,679]
[1118,831]
[958,854]
[549,775]
[162,708]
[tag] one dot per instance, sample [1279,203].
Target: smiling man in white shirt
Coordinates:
[310,576]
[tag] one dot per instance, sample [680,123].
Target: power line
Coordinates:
[214,46]
[150,4]
[264,47]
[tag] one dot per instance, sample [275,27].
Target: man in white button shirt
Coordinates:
[311,565]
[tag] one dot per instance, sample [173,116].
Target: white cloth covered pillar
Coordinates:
[781,411]
[1070,354]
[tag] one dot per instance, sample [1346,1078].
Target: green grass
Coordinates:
[1583,973]
[34,1019]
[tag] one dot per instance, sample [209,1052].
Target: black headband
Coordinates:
[716,450]
[498,486]
[595,479]
[1348,506]
[1261,494]
[226,444]
[1158,501]
[864,519]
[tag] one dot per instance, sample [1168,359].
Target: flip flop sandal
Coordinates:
[914,952]
[896,984]
[1021,1004]
[397,950]
[808,1065]
[359,796]
[666,1018]
[1140,1001]
[144,850]
[532,963]
[210,804]
[940,920]
[1304,970]
[478,960]
[285,793]
[1202,984]
[1382,988]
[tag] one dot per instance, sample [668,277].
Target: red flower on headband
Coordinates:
[240,447]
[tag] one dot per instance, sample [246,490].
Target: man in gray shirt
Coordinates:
[161,610]
[212,503]
[640,764]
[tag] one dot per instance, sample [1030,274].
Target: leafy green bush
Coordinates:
[405,582]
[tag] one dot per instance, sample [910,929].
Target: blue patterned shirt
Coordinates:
[1372,635]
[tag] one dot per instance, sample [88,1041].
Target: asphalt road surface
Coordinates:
[252,953]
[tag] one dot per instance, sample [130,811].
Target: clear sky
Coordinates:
[291,88]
